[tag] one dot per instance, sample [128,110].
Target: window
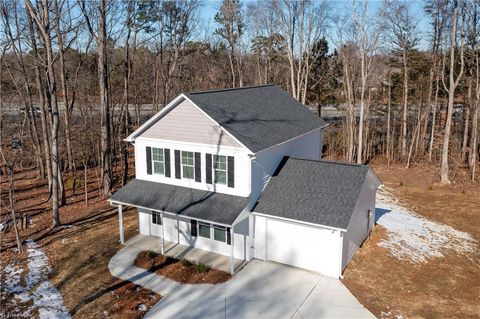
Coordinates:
[158,161]
[219,233]
[220,169]
[187,165]
[204,230]
[156,218]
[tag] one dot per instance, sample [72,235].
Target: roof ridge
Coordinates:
[231,89]
[330,162]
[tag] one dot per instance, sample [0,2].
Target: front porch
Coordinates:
[179,251]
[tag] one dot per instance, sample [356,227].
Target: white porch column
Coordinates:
[120,224]
[178,230]
[162,247]
[232,258]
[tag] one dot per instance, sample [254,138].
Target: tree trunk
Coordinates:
[453,83]
[43,103]
[52,89]
[63,81]
[105,141]
[405,105]
[362,110]
[466,115]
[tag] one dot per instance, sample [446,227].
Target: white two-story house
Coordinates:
[238,172]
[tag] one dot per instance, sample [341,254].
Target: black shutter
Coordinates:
[229,236]
[208,165]
[167,162]
[193,228]
[198,167]
[177,164]
[231,171]
[149,160]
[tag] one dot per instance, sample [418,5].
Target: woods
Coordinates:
[77,77]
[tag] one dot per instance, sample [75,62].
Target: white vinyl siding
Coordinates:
[186,123]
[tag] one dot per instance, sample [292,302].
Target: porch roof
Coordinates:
[188,202]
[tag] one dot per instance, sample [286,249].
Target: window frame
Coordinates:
[214,169]
[156,218]
[162,162]
[182,165]
[221,228]
[199,233]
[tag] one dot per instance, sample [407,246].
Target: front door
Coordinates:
[156,224]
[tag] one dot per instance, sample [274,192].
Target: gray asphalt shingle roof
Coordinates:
[258,116]
[318,192]
[210,206]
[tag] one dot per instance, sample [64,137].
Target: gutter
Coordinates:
[114,203]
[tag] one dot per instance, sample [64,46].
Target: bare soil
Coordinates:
[78,252]
[178,270]
[445,287]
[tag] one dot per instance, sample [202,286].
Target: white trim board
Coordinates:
[300,222]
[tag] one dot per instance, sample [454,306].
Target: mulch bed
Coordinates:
[182,271]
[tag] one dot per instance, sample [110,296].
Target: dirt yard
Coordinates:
[183,271]
[441,287]
[78,252]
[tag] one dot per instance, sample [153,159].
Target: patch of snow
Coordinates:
[142,307]
[46,297]
[414,238]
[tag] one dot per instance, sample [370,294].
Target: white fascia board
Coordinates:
[114,203]
[380,183]
[217,124]
[301,222]
[151,139]
[153,119]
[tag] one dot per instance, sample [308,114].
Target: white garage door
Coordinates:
[299,245]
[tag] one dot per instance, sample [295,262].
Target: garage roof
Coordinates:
[318,192]
[209,206]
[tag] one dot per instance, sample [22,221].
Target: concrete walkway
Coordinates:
[259,290]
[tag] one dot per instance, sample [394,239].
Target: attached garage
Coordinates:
[315,214]
[300,245]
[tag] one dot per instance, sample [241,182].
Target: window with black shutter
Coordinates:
[167,163]
[231,171]
[208,166]
[229,236]
[193,228]
[149,160]
[198,167]
[177,164]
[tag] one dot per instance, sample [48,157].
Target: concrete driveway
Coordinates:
[262,290]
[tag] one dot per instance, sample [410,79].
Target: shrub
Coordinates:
[186,263]
[151,254]
[201,267]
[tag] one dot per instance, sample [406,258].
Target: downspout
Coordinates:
[341,253]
